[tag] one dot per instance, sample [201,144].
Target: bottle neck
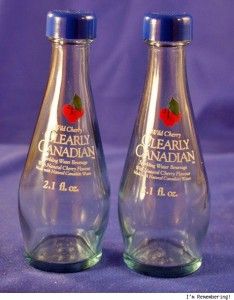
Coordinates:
[70,62]
[167,69]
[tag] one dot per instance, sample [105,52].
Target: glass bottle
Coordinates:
[163,198]
[64,189]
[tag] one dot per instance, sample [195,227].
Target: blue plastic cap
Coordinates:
[167,27]
[71,25]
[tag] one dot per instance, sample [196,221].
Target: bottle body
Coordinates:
[64,189]
[163,198]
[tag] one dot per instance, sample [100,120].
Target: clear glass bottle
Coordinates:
[163,198]
[64,189]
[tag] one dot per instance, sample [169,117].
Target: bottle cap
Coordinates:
[167,27]
[71,25]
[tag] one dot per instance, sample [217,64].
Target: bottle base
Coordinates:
[63,254]
[161,271]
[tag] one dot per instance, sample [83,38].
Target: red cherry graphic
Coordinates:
[72,114]
[73,111]
[170,116]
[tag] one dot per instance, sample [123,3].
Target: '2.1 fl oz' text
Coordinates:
[62,186]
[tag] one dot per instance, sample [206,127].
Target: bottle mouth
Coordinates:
[63,41]
[167,44]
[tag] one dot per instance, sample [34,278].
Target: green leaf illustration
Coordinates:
[174,106]
[76,101]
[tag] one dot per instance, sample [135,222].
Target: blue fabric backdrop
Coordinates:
[118,65]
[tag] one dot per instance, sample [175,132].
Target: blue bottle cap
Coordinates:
[71,25]
[167,27]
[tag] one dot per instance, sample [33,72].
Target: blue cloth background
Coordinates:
[118,65]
